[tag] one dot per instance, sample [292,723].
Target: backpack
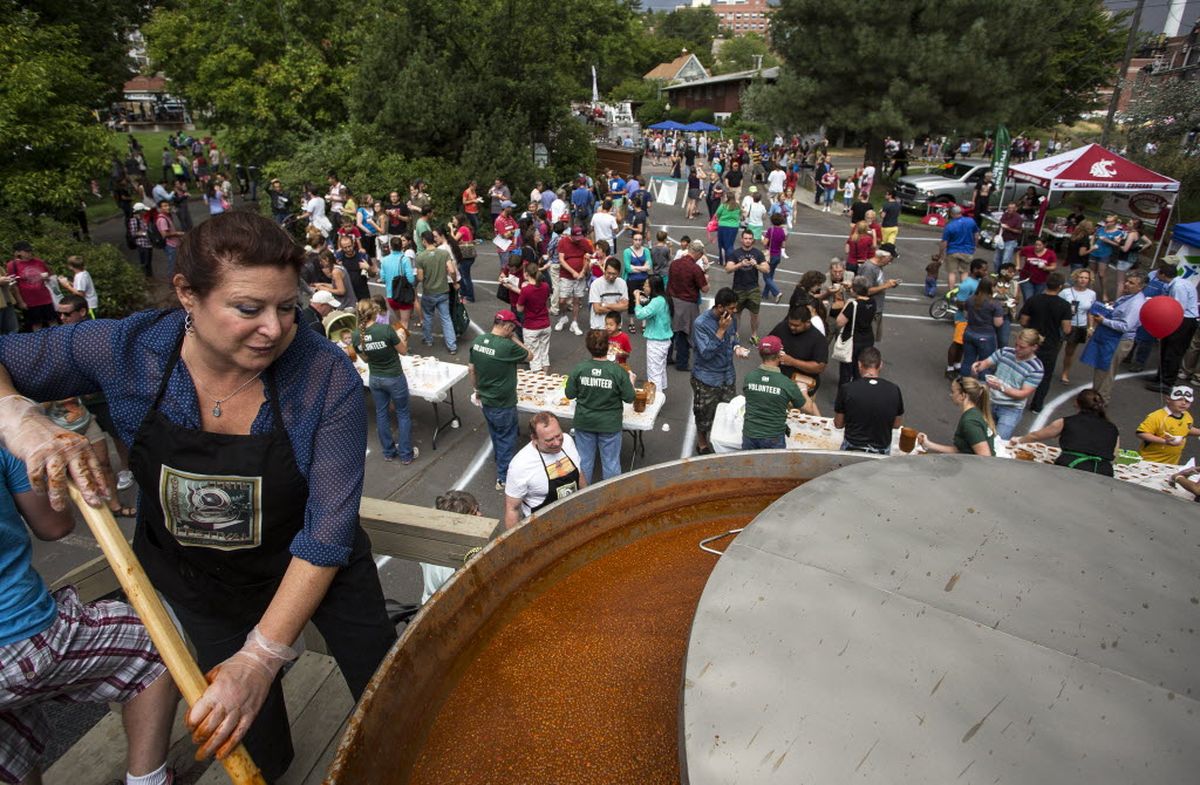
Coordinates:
[156,238]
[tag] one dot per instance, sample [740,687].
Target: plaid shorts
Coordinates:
[94,653]
[705,400]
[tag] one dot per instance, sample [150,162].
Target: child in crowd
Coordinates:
[847,195]
[931,275]
[619,346]
[80,283]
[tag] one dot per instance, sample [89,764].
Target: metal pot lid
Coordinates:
[950,619]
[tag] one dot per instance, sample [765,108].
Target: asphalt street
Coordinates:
[913,347]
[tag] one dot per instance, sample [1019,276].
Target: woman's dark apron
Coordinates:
[218,511]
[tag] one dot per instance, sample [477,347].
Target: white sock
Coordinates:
[156,777]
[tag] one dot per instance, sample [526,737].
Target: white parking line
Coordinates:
[1067,395]
[481,455]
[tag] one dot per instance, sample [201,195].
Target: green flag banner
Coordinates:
[1001,151]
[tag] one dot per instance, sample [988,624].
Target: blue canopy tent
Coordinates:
[668,125]
[700,126]
[1188,234]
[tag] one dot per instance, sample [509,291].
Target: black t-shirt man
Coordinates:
[858,211]
[733,178]
[745,279]
[807,346]
[1046,313]
[870,407]
[891,214]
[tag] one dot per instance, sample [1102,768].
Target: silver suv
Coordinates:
[954,183]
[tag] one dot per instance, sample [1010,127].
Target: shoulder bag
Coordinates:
[843,348]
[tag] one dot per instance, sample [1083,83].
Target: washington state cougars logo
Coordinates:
[1104,168]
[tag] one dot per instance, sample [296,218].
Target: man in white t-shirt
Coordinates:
[609,293]
[542,472]
[605,226]
[775,181]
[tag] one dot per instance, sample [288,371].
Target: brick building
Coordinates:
[741,16]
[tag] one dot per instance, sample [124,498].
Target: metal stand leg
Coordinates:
[440,426]
[639,448]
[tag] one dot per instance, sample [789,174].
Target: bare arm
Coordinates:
[1050,431]
[839,420]
[512,512]
[44,521]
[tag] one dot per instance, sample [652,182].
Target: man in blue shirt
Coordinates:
[714,344]
[583,201]
[1113,337]
[53,647]
[958,242]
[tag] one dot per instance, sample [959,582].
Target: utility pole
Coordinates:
[1134,25]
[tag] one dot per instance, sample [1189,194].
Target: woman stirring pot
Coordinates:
[248,444]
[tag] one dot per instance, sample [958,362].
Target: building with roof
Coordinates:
[685,68]
[741,16]
[722,93]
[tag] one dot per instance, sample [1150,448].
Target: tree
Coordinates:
[103,28]
[696,27]
[742,53]
[1166,112]
[454,80]
[266,74]
[936,65]
[52,144]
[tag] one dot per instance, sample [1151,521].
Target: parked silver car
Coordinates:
[954,183]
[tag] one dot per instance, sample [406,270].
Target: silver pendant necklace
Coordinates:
[216,409]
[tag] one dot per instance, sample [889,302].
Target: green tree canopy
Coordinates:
[695,27]
[102,27]
[53,145]
[937,65]
[266,74]
[741,53]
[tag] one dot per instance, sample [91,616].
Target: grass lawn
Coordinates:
[152,142]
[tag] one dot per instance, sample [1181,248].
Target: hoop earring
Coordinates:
[189,326]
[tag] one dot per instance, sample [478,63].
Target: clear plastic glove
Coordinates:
[54,456]
[237,689]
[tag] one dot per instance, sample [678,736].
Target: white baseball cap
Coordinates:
[325,298]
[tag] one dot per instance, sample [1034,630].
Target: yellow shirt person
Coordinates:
[1164,431]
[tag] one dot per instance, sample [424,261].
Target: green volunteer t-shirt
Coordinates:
[600,388]
[379,350]
[768,395]
[495,359]
[972,429]
[432,263]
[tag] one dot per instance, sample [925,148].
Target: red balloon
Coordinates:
[1161,316]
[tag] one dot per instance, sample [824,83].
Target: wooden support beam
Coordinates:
[407,531]
[92,580]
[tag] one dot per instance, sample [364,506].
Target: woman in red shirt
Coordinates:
[470,205]
[465,239]
[860,247]
[1035,262]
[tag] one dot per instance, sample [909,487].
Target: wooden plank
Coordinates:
[317,775]
[417,533]
[320,732]
[100,755]
[92,580]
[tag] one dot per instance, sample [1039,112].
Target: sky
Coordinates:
[1153,15]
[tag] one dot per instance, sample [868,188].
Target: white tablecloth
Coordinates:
[805,432]
[541,392]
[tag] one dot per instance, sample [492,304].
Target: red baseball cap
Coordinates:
[506,316]
[770,345]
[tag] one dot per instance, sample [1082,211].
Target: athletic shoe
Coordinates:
[575,329]
[416,454]
[499,485]
[124,480]
[562,322]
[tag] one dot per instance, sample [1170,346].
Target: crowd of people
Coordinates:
[221,402]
